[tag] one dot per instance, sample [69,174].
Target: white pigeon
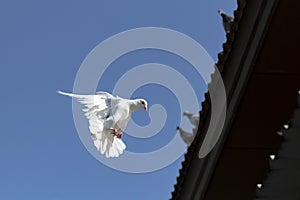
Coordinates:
[108,117]
[194,118]
[186,136]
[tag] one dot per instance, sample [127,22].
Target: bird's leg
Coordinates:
[114,131]
[119,135]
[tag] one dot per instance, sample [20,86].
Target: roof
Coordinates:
[282,181]
[235,64]
[205,112]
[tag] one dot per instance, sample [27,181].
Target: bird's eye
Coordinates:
[143,102]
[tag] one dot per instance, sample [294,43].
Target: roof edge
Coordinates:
[249,27]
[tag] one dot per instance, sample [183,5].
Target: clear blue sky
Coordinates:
[42,44]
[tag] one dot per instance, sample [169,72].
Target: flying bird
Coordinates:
[226,20]
[186,136]
[108,116]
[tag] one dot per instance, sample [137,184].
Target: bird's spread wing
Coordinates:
[98,108]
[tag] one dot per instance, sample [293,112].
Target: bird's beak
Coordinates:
[145,108]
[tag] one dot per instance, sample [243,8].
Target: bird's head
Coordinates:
[141,104]
[221,12]
[144,104]
[185,113]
